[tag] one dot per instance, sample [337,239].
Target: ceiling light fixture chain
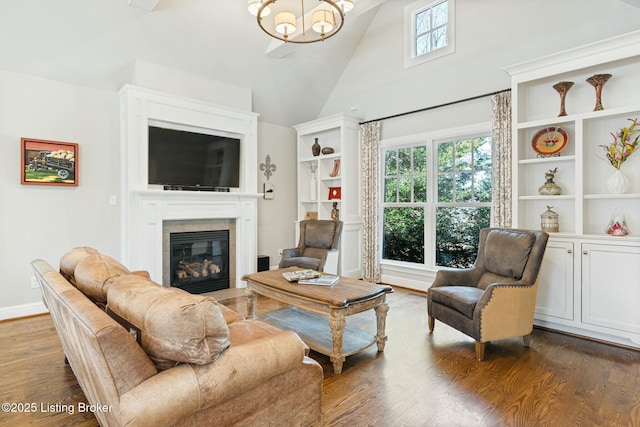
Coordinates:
[327,18]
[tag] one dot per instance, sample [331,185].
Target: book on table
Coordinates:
[322,281]
[294,276]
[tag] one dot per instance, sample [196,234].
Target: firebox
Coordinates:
[199,260]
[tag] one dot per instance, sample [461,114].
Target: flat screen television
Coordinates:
[182,158]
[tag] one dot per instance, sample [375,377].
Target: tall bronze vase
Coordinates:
[598,81]
[562,88]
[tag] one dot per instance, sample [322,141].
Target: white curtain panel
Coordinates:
[370,176]
[501,160]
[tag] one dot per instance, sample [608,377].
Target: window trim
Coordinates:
[410,12]
[430,139]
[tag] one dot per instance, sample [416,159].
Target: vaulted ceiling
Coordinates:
[96,43]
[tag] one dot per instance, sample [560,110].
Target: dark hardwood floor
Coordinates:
[421,379]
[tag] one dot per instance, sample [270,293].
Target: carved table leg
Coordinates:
[251,305]
[337,323]
[381,317]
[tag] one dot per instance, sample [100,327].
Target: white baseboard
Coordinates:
[23,310]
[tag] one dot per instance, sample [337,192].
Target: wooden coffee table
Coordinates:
[310,305]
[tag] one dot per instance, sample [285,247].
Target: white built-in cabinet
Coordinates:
[339,171]
[589,281]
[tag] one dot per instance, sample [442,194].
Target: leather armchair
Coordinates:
[318,247]
[495,299]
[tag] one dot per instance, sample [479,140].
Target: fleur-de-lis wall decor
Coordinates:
[268,167]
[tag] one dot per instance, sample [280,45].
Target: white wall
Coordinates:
[46,221]
[276,218]
[490,35]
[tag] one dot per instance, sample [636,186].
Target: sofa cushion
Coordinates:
[70,260]
[507,251]
[95,273]
[175,326]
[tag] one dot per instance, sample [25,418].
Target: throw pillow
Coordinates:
[94,274]
[174,326]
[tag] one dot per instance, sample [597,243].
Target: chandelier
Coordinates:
[300,21]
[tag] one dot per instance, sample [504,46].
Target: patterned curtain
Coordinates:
[370,245]
[501,160]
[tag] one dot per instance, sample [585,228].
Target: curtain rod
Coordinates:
[436,106]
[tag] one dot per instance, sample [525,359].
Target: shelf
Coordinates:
[602,114]
[559,197]
[547,160]
[612,196]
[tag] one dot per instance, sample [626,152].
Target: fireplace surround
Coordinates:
[147,209]
[196,228]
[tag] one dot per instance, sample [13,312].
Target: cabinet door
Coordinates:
[611,286]
[555,281]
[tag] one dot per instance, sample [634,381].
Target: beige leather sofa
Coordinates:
[173,358]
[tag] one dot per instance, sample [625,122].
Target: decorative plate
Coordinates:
[549,141]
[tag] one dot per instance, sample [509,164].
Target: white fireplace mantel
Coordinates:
[146,207]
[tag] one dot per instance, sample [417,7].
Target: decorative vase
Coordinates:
[550,188]
[617,183]
[562,88]
[598,81]
[313,187]
[315,148]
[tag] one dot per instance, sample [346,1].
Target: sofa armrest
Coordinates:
[178,392]
[142,273]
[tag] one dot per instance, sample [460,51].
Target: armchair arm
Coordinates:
[456,277]
[290,253]
[506,310]
[177,392]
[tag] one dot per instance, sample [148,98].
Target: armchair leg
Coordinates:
[479,351]
[432,323]
[527,340]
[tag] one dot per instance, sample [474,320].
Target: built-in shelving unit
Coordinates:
[340,171]
[588,278]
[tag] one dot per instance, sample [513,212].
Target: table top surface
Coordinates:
[345,292]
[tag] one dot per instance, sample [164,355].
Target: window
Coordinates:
[405,194]
[441,230]
[463,205]
[428,30]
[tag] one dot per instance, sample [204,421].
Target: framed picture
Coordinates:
[335,193]
[311,215]
[49,162]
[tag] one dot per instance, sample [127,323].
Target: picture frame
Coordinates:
[335,193]
[311,215]
[45,162]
